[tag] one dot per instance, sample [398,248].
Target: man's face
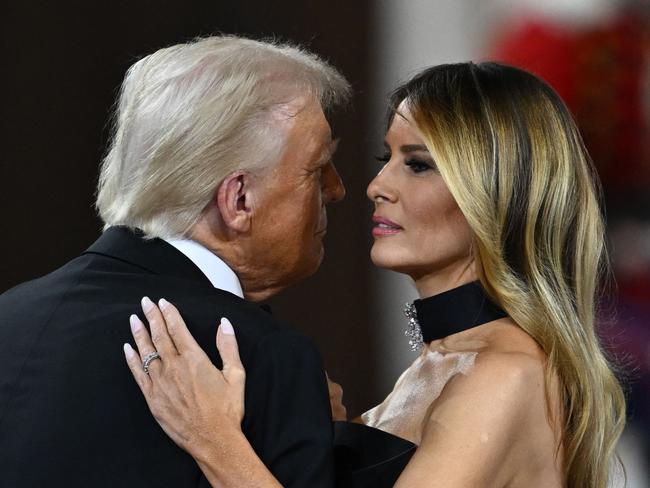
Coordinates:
[290,220]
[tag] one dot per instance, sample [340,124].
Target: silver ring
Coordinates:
[148,359]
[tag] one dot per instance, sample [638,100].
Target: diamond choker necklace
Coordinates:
[448,313]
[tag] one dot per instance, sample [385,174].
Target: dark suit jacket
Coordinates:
[71,415]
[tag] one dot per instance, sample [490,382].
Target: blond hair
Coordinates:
[190,114]
[512,157]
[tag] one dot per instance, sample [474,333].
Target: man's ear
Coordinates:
[234,200]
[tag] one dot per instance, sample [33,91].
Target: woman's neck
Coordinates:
[446,279]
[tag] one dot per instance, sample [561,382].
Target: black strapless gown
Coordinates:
[367,457]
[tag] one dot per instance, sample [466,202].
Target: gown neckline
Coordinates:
[453,311]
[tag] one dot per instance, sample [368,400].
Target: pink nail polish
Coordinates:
[136,323]
[147,304]
[128,350]
[226,326]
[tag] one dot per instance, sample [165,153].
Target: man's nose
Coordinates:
[333,188]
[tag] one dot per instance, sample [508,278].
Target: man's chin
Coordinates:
[314,263]
[319,255]
[308,267]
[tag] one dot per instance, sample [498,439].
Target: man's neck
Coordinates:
[211,265]
[254,286]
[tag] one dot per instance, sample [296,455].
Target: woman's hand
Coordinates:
[196,404]
[199,406]
[339,412]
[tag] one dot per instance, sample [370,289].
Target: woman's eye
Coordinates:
[418,166]
[383,159]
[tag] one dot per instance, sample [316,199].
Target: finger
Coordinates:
[159,335]
[336,391]
[178,331]
[339,412]
[229,351]
[135,365]
[143,342]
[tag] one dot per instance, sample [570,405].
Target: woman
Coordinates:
[488,201]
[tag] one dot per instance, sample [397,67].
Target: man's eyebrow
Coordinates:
[329,150]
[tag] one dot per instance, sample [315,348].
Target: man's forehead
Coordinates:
[305,117]
[293,106]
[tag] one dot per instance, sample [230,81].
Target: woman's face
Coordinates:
[419,230]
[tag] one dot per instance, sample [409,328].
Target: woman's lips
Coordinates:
[384,227]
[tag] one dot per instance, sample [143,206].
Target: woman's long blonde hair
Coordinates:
[512,157]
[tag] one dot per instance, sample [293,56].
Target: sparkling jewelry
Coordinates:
[413,330]
[148,359]
[450,312]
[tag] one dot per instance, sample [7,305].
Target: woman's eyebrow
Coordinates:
[406,148]
[413,147]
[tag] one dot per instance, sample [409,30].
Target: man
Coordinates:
[213,195]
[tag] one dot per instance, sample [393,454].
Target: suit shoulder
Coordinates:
[254,326]
[39,295]
[269,330]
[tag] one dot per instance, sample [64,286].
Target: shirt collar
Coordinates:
[213,267]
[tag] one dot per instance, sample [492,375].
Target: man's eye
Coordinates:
[418,166]
[384,158]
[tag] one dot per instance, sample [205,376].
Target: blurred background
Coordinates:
[63,63]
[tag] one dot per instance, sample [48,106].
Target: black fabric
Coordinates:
[370,458]
[367,457]
[455,310]
[71,415]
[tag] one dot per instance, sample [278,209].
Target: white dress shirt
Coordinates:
[212,266]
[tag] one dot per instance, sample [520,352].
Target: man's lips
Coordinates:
[384,227]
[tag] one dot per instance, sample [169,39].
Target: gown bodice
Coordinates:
[405,411]
[374,454]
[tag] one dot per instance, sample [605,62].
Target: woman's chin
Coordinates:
[387,260]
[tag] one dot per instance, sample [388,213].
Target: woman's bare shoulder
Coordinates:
[505,381]
[481,416]
[508,373]
[491,413]
[495,415]
[507,360]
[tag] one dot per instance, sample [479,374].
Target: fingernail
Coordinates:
[226,326]
[163,304]
[147,304]
[136,323]
[128,350]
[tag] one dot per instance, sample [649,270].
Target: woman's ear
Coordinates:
[234,200]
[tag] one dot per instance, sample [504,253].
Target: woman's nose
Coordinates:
[379,188]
